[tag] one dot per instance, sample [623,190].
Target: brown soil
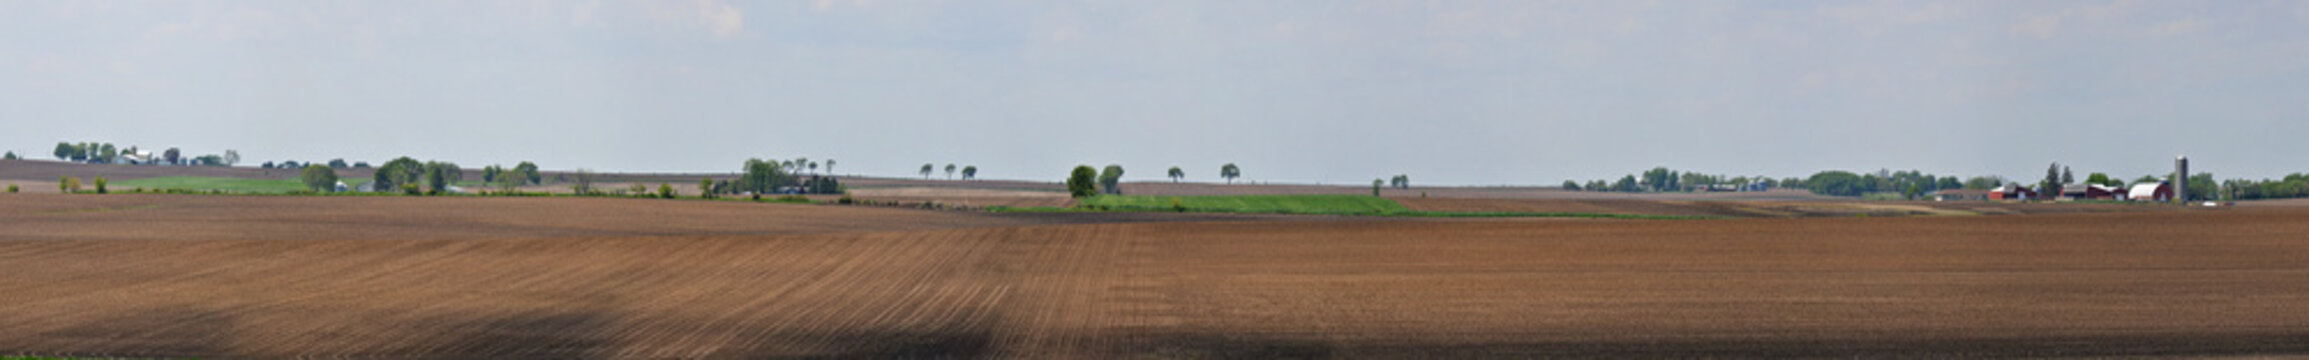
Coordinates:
[238,277]
[1761,209]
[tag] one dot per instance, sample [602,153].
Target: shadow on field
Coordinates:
[179,331]
[1204,346]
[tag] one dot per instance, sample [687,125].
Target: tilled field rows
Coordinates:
[863,295]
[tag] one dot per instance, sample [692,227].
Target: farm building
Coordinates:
[2160,191]
[2090,192]
[1959,195]
[2012,192]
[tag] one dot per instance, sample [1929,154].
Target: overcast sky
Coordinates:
[1336,91]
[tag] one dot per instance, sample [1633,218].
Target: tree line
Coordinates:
[107,153]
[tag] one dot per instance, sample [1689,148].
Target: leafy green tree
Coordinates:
[926,168]
[813,167]
[526,172]
[360,164]
[2098,179]
[339,163]
[1627,184]
[829,166]
[1838,183]
[2050,186]
[706,188]
[319,178]
[1661,179]
[1375,185]
[67,185]
[1911,192]
[11,156]
[232,157]
[437,178]
[970,172]
[64,151]
[1177,174]
[762,177]
[949,171]
[1983,182]
[1082,182]
[2202,187]
[397,172]
[1570,185]
[2067,177]
[1950,182]
[665,190]
[1230,172]
[172,156]
[489,174]
[100,185]
[1111,179]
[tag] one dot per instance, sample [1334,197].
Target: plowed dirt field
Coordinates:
[271,277]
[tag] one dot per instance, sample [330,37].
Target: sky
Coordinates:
[1336,91]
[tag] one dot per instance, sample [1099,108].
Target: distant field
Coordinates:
[1265,204]
[195,183]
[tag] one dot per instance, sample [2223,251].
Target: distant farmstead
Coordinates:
[2012,192]
[1960,195]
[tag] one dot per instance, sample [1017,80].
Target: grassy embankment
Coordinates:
[1348,205]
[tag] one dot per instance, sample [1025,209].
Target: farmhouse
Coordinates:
[2012,192]
[2160,191]
[1959,195]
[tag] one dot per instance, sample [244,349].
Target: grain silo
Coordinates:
[2181,179]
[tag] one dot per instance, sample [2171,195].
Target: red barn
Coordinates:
[2012,192]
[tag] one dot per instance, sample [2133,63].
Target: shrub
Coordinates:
[410,189]
[665,190]
[67,185]
[12,190]
[100,185]
[1081,182]
[794,199]
[845,200]
[1177,206]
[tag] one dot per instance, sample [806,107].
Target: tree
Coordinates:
[1375,184]
[1230,172]
[1176,174]
[1911,192]
[360,164]
[970,172]
[107,154]
[665,190]
[2050,186]
[1660,179]
[581,181]
[761,177]
[1627,184]
[64,151]
[209,160]
[439,176]
[1080,183]
[400,171]
[2067,177]
[1110,179]
[11,156]
[1570,185]
[339,163]
[172,156]
[99,184]
[829,166]
[706,188]
[319,178]
[232,157]
[949,171]
[489,174]
[2098,179]
[2202,187]
[926,171]
[1838,183]
[1401,181]
[528,171]
[813,167]
[1983,182]
[67,185]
